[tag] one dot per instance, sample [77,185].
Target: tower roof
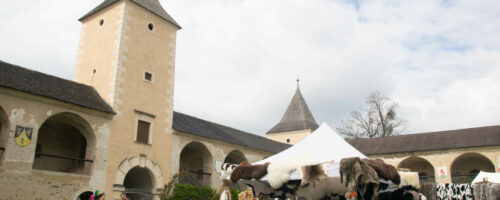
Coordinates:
[297,116]
[152,6]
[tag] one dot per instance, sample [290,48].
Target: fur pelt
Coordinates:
[278,173]
[404,193]
[246,195]
[359,178]
[384,170]
[333,196]
[225,191]
[311,174]
[226,169]
[324,188]
[248,171]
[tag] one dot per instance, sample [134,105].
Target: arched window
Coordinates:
[4,134]
[466,166]
[235,157]
[196,160]
[65,143]
[422,166]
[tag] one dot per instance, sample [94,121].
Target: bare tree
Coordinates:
[377,119]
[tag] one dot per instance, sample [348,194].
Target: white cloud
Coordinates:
[237,59]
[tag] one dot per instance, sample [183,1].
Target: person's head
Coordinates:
[123,196]
[99,195]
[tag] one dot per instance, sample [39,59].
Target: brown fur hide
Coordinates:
[248,171]
[246,195]
[359,178]
[312,174]
[384,170]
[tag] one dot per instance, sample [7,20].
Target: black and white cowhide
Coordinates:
[454,191]
[226,169]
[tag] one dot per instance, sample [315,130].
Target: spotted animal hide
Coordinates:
[359,177]
[454,191]
[384,170]
[226,169]
[248,171]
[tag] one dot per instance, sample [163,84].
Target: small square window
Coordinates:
[143,129]
[148,76]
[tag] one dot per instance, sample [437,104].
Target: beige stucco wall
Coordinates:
[294,136]
[18,179]
[121,50]
[444,158]
[217,149]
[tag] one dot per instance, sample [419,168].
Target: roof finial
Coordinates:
[298,81]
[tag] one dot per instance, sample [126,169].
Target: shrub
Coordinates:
[187,192]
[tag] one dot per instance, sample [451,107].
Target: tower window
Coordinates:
[101,22]
[288,140]
[148,76]
[143,128]
[150,26]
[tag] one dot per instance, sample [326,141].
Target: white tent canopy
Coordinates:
[321,146]
[491,177]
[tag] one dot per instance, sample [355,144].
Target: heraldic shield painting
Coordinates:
[23,135]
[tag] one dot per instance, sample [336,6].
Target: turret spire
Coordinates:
[297,116]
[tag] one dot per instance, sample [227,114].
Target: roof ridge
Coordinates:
[93,101]
[50,75]
[432,132]
[218,124]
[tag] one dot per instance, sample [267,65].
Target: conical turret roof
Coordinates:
[297,116]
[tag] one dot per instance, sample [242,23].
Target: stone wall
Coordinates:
[18,178]
[444,159]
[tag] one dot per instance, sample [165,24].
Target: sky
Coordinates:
[237,61]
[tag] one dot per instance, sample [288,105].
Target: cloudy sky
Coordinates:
[237,60]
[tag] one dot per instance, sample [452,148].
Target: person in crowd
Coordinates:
[123,196]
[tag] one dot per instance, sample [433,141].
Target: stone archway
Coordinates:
[235,157]
[196,160]
[422,166]
[139,177]
[466,166]
[139,183]
[4,134]
[65,143]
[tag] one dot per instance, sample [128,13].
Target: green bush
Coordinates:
[234,194]
[187,192]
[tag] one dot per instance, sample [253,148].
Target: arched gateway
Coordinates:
[139,177]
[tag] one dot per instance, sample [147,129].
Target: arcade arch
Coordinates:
[66,143]
[235,157]
[422,166]
[4,134]
[196,160]
[466,166]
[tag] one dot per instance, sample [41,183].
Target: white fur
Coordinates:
[278,173]
[226,170]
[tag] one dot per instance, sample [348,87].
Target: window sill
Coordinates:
[143,143]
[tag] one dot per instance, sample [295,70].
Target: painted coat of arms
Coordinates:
[23,135]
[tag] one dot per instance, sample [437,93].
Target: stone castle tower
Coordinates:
[127,53]
[296,123]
